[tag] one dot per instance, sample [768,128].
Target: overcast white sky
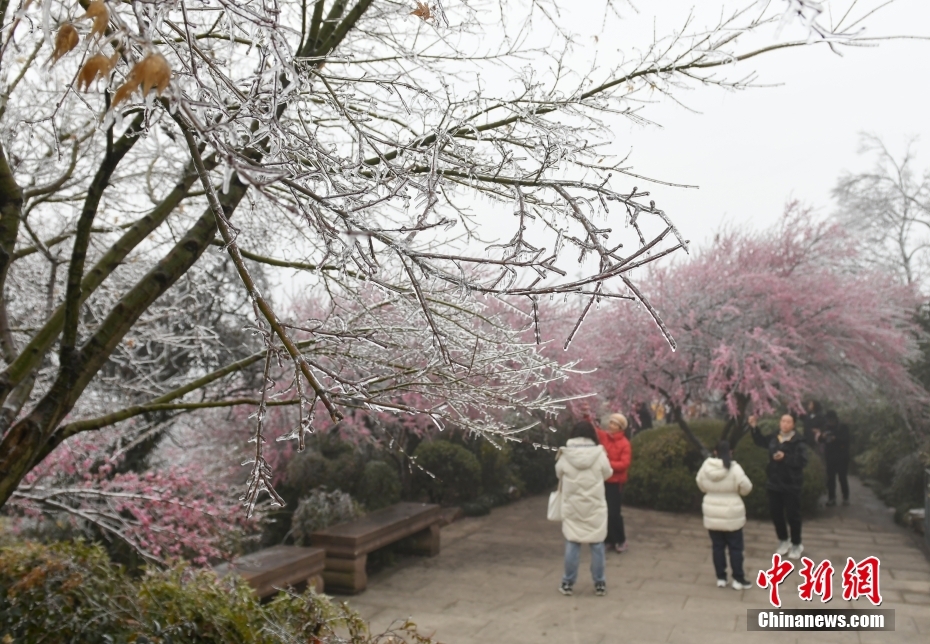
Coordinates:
[752,151]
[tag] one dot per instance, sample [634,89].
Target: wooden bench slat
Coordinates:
[351,543]
[276,567]
[385,520]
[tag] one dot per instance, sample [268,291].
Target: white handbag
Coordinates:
[554,513]
[555,505]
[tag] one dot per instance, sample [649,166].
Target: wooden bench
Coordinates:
[413,526]
[278,567]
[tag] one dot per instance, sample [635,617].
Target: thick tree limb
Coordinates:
[72,305]
[37,348]
[34,436]
[11,208]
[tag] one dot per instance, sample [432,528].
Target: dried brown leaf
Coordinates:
[65,41]
[98,12]
[422,11]
[152,72]
[123,92]
[97,66]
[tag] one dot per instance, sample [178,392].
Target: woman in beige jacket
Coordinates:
[582,467]
[724,482]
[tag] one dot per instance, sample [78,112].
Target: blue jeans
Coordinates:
[573,559]
[734,542]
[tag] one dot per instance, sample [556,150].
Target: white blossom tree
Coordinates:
[364,145]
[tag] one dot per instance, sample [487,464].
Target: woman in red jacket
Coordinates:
[620,454]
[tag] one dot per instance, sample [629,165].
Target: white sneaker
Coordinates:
[722,583]
[783,547]
[741,585]
[795,551]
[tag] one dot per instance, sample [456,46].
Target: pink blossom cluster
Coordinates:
[165,513]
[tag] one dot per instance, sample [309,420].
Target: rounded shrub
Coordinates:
[533,458]
[498,480]
[659,477]
[307,470]
[535,465]
[379,486]
[478,508]
[450,473]
[344,471]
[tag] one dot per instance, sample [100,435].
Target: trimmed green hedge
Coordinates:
[379,486]
[664,466]
[71,593]
[449,474]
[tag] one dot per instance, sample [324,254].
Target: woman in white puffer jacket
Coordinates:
[724,482]
[582,467]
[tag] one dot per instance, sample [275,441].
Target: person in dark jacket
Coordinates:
[785,473]
[641,419]
[813,421]
[835,440]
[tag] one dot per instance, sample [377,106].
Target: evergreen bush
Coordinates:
[498,479]
[70,593]
[533,463]
[659,476]
[307,470]
[379,486]
[887,456]
[450,473]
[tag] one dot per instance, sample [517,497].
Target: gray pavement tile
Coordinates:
[908,610]
[922,624]
[825,637]
[889,637]
[905,624]
[685,633]
[907,574]
[724,600]
[564,626]
[913,598]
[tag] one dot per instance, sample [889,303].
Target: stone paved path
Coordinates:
[495,581]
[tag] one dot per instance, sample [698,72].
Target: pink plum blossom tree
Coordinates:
[759,321]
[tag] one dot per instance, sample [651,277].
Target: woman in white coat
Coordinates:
[724,482]
[582,467]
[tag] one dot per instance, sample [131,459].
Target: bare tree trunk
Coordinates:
[679,418]
[738,424]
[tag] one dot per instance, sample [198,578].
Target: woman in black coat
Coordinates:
[785,473]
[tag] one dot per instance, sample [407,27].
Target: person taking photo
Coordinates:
[785,477]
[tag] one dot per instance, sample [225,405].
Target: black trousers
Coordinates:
[734,541]
[615,532]
[786,503]
[837,468]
